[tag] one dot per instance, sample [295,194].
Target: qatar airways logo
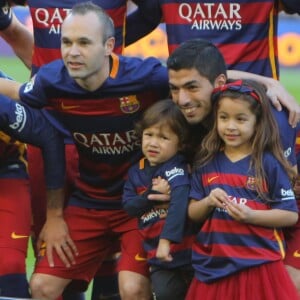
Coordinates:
[108,143]
[21,118]
[51,18]
[211,16]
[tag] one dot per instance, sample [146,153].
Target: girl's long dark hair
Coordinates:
[266,136]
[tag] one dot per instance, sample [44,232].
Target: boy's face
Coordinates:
[192,93]
[159,143]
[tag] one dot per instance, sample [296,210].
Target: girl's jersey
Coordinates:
[223,245]
[155,223]
[101,122]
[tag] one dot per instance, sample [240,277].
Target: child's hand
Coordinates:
[297,187]
[163,250]
[239,212]
[161,185]
[217,198]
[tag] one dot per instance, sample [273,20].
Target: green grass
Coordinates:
[14,68]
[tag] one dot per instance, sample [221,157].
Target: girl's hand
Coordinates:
[239,212]
[216,198]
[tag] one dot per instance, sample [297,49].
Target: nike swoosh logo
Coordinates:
[209,180]
[139,258]
[67,107]
[15,236]
[296,253]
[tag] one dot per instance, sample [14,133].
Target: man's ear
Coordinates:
[109,45]
[220,80]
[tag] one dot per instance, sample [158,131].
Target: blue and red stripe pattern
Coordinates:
[223,245]
[101,122]
[154,222]
[245,31]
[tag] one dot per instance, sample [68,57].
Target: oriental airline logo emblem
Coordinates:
[129,104]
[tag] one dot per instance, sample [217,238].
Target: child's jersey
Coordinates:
[224,246]
[154,222]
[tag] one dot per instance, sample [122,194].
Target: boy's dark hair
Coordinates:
[165,112]
[198,54]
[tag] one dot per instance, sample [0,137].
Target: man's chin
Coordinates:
[194,120]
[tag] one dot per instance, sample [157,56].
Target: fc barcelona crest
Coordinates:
[129,104]
[251,183]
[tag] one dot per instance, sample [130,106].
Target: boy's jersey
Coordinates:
[21,123]
[101,122]
[223,245]
[155,223]
[245,31]
[47,17]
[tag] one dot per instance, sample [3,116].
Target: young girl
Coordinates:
[164,133]
[241,190]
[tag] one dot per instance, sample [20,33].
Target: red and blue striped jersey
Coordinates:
[154,222]
[47,17]
[245,31]
[223,245]
[101,122]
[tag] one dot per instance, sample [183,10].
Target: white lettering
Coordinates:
[211,16]
[108,143]
[51,18]
[20,118]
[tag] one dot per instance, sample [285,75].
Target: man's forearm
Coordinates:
[20,39]
[55,202]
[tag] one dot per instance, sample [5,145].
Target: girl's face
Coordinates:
[235,124]
[159,143]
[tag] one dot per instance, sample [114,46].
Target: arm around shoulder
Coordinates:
[10,88]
